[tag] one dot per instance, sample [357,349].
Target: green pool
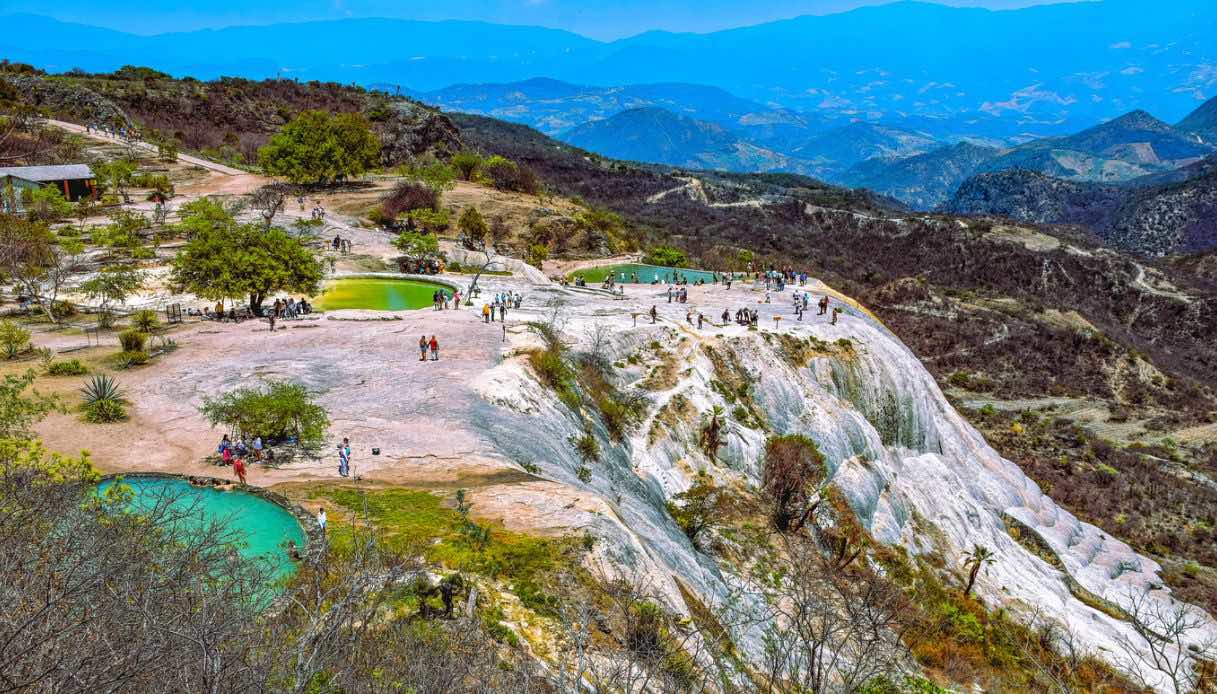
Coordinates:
[262,526]
[647,274]
[377,294]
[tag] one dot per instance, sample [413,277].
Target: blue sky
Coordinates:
[600,19]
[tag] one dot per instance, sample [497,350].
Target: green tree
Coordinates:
[666,256]
[473,229]
[228,260]
[467,163]
[123,233]
[700,508]
[537,254]
[432,221]
[116,176]
[19,410]
[316,147]
[274,410]
[37,259]
[47,204]
[113,285]
[436,175]
[503,173]
[417,247]
[201,215]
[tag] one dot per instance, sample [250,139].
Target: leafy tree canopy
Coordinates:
[473,228]
[275,410]
[227,260]
[417,246]
[317,147]
[666,256]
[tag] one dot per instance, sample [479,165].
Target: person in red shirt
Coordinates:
[434,349]
[238,466]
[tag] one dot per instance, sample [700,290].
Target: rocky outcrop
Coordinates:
[914,472]
[63,98]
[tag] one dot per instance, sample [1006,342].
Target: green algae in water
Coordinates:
[646,273]
[377,294]
[263,527]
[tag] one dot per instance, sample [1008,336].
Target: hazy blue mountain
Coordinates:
[1133,145]
[835,151]
[420,55]
[552,106]
[659,136]
[923,181]
[1042,70]
[1202,121]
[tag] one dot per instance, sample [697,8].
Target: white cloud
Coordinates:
[1121,46]
[1022,100]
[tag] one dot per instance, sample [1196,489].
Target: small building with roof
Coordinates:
[75,181]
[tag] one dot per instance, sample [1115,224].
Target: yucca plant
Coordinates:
[145,320]
[104,401]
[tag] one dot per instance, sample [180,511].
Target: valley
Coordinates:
[988,462]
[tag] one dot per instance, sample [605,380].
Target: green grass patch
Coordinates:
[419,522]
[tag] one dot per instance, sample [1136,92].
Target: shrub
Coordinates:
[537,254]
[666,256]
[145,320]
[407,197]
[70,367]
[700,508]
[103,400]
[505,174]
[14,339]
[105,412]
[276,410]
[133,340]
[129,358]
[793,466]
[588,447]
[467,163]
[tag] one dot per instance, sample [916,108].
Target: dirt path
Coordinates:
[184,158]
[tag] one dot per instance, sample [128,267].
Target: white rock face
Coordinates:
[913,470]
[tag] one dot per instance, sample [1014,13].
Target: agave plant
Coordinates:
[101,388]
[104,401]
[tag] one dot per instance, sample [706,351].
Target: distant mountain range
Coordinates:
[659,136]
[1175,212]
[949,72]
[1132,146]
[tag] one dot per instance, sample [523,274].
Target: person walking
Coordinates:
[654,314]
[322,520]
[485,313]
[700,319]
[434,349]
[422,348]
[238,466]
[835,311]
[344,457]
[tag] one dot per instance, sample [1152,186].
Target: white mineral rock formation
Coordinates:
[913,470]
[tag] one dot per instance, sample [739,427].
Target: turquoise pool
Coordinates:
[645,274]
[263,527]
